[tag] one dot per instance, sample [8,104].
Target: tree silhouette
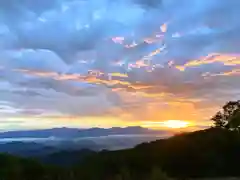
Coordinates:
[158,174]
[229,116]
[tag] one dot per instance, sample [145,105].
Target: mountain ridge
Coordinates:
[65,132]
[46,141]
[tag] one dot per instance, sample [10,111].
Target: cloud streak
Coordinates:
[132,59]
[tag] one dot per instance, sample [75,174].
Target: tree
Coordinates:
[158,174]
[229,116]
[123,175]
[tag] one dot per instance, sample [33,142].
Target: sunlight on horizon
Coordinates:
[175,124]
[171,124]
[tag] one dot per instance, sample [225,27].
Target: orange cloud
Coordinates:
[38,73]
[139,86]
[226,59]
[118,75]
[66,77]
[142,63]
[234,72]
[118,40]
[164,28]
[152,95]
[136,107]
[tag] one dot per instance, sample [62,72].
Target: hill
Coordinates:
[206,153]
[203,154]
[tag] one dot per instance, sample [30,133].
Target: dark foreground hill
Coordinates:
[206,153]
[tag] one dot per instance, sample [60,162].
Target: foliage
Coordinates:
[158,174]
[229,116]
[212,152]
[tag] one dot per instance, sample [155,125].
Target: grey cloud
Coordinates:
[40,60]
[36,30]
[72,37]
[55,102]
[26,93]
[60,86]
[31,112]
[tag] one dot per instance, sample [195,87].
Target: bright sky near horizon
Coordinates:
[104,63]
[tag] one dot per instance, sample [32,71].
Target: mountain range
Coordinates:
[37,143]
[78,133]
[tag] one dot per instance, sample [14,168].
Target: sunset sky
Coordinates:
[105,63]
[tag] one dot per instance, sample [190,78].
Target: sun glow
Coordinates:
[175,124]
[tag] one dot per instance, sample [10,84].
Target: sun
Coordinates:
[175,124]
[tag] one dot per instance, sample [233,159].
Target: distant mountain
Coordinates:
[37,143]
[45,133]
[33,149]
[26,149]
[78,133]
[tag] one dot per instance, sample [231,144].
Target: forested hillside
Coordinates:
[212,152]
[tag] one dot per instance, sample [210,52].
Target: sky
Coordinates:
[105,63]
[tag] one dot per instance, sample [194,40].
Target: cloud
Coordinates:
[134,59]
[228,60]
[32,60]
